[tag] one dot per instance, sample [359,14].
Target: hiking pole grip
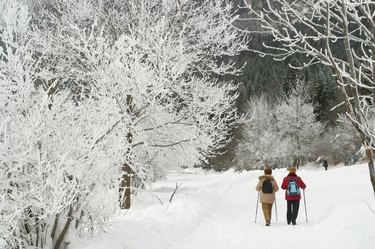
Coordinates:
[304,200]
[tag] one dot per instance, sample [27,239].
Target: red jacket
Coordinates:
[284,185]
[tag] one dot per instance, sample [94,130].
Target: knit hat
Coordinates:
[267,171]
[292,170]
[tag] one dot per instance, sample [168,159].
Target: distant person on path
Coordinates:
[352,159]
[267,187]
[292,184]
[325,164]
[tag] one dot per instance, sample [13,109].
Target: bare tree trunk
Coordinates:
[125,185]
[126,168]
[80,218]
[37,234]
[27,229]
[369,154]
[43,238]
[373,57]
[65,229]
[296,161]
[371,163]
[54,228]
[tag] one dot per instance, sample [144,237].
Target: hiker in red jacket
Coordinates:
[292,184]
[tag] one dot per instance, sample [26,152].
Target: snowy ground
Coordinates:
[217,211]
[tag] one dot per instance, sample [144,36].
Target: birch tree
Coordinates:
[339,34]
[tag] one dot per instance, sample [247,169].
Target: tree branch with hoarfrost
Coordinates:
[339,34]
[156,59]
[82,83]
[51,174]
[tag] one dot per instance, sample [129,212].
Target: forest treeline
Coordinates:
[272,80]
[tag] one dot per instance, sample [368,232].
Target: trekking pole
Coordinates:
[275,208]
[304,200]
[256,212]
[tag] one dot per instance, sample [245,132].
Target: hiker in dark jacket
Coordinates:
[267,199]
[292,200]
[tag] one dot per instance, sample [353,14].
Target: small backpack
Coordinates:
[267,187]
[293,188]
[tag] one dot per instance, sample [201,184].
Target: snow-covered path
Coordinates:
[217,211]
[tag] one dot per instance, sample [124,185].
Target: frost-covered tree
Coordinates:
[156,59]
[281,133]
[260,144]
[57,170]
[88,100]
[297,123]
[339,34]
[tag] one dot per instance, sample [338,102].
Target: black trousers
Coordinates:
[292,211]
